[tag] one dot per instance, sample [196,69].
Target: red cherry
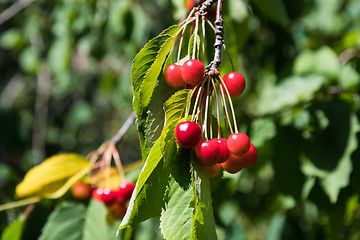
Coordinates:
[173,76]
[104,195]
[208,152]
[235,83]
[125,190]
[189,4]
[81,190]
[192,71]
[188,134]
[230,165]
[224,150]
[214,170]
[247,160]
[238,143]
[118,210]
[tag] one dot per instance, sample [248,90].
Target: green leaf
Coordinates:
[289,92]
[191,46]
[203,225]
[13,231]
[176,218]
[324,62]
[65,222]
[147,198]
[275,10]
[95,227]
[51,175]
[147,67]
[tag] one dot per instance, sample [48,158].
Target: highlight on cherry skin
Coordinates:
[238,143]
[188,134]
[192,71]
[173,76]
[235,83]
[208,152]
[105,195]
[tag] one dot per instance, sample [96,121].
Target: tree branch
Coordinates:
[14,9]
[129,121]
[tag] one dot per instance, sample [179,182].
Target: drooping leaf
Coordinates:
[65,222]
[176,218]
[13,231]
[203,225]
[147,67]
[147,198]
[95,227]
[51,175]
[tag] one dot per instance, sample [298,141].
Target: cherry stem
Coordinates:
[230,101]
[225,107]
[182,30]
[117,160]
[107,157]
[203,42]
[217,108]
[197,98]
[228,54]
[195,36]
[206,109]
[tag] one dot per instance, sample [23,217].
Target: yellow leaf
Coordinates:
[99,179]
[51,175]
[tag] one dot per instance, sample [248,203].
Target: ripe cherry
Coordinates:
[125,190]
[188,134]
[235,163]
[118,210]
[235,83]
[192,71]
[238,143]
[189,4]
[224,150]
[104,195]
[173,76]
[214,170]
[230,165]
[207,152]
[81,190]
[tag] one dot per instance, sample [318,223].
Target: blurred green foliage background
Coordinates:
[65,87]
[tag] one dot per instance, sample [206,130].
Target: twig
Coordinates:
[219,39]
[14,9]
[129,121]
[41,112]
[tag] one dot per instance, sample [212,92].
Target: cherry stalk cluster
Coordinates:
[232,153]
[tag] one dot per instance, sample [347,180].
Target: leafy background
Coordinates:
[65,87]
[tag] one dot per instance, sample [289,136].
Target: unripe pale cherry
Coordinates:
[81,190]
[214,170]
[235,83]
[188,134]
[173,76]
[238,143]
[207,152]
[192,71]
[224,150]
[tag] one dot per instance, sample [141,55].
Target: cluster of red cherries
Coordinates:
[115,200]
[233,153]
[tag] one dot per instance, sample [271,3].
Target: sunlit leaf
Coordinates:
[51,175]
[13,231]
